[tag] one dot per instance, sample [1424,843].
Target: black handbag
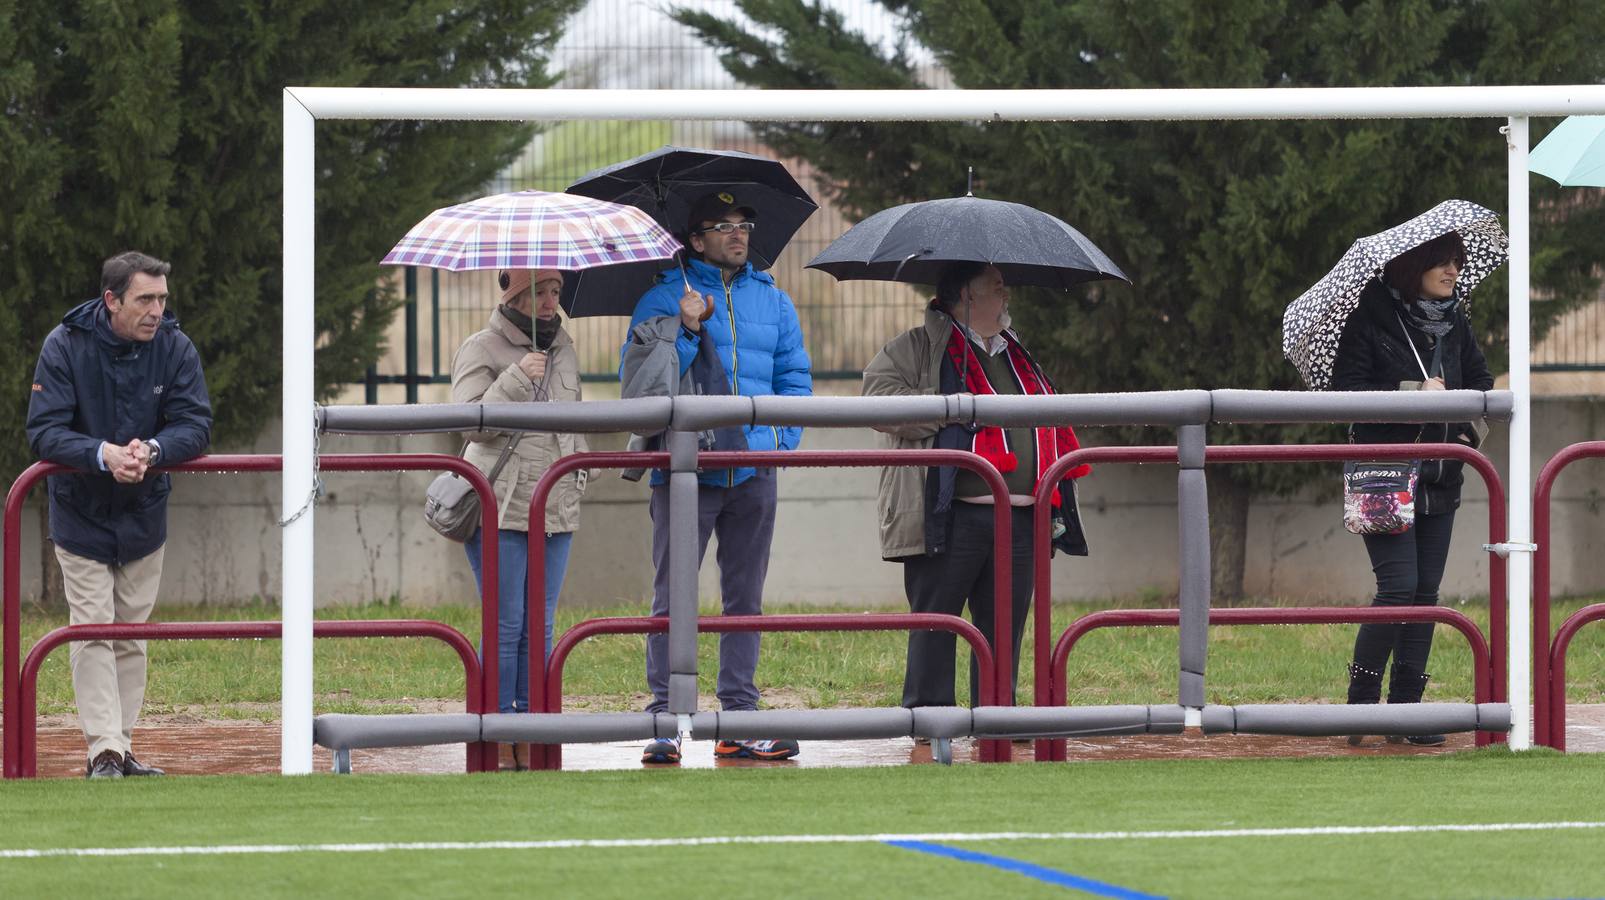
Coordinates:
[451,505]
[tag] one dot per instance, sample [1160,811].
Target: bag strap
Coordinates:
[501,461]
[1414,352]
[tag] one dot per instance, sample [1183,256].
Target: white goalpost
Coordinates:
[304,106]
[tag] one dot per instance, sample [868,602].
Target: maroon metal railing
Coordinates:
[1557,671]
[553,757]
[1482,688]
[1042,595]
[1002,625]
[11,588]
[1549,717]
[28,739]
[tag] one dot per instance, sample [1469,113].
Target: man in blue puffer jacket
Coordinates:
[754,329]
[118,391]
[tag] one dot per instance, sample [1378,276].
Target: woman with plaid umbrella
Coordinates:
[522,355]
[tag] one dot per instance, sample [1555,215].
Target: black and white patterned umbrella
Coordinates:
[1314,322]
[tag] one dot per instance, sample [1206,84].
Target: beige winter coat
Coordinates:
[909,365]
[485,370]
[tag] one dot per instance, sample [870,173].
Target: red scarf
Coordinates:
[991,443]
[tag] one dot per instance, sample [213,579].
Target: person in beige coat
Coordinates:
[523,355]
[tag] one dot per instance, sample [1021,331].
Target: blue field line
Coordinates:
[1029,870]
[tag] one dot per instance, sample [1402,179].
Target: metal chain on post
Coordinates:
[317,483]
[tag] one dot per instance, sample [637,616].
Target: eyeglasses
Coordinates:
[729,228]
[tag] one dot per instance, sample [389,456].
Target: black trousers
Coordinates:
[1409,567]
[945,583]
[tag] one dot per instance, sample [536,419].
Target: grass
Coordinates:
[1483,787]
[1250,664]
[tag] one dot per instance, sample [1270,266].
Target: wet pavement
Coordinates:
[189,747]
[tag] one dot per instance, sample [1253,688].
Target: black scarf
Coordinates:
[546,331]
[1435,317]
[521,321]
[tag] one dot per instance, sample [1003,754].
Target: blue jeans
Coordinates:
[512,625]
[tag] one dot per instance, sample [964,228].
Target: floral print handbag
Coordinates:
[1379,497]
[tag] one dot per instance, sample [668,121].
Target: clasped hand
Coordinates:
[128,463]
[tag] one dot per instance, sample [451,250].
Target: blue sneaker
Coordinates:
[662,750]
[769,750]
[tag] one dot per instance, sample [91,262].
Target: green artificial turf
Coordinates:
[1492,786]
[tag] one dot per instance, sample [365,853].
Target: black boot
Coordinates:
[1365,686]
[1406,685]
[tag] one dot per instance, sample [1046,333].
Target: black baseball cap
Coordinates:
[713,207]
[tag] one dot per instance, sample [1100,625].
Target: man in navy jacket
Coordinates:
[753,328]
[117,392]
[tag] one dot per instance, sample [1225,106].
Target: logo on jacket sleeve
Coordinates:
[157,390]
[38,388]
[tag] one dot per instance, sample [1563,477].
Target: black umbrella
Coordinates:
[665,183]
[610,290]
[668,180]
[916,241]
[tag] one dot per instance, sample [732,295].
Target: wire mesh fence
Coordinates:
[635,44]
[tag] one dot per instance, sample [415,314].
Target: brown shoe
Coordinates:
[513,757]
[108,764]
[133,767]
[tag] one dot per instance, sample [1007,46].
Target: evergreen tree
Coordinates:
[156,125]
[1219,224]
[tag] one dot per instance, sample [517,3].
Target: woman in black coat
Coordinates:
[1410,332]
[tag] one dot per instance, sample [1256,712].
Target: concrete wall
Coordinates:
[372,541]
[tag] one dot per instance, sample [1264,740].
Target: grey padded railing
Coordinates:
[1189,411]
[342,733]
[1175,408]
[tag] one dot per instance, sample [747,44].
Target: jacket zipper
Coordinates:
[735,362]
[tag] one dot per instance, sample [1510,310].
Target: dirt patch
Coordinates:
[189,742]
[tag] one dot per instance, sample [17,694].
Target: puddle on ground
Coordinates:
[236,748]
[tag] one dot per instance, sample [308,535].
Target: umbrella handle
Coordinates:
[906,260]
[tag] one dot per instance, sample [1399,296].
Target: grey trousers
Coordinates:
[743,517]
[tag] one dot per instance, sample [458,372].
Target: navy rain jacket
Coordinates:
[92,386]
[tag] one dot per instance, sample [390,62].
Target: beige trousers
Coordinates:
[108,677]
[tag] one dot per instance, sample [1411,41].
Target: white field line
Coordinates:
[929,837]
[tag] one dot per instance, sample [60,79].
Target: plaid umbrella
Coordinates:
[1314,322]
[532,230]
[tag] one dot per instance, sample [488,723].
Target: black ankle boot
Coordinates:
[1365,686]
[1406,685]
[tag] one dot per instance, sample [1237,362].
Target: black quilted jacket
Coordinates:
[1373,355]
